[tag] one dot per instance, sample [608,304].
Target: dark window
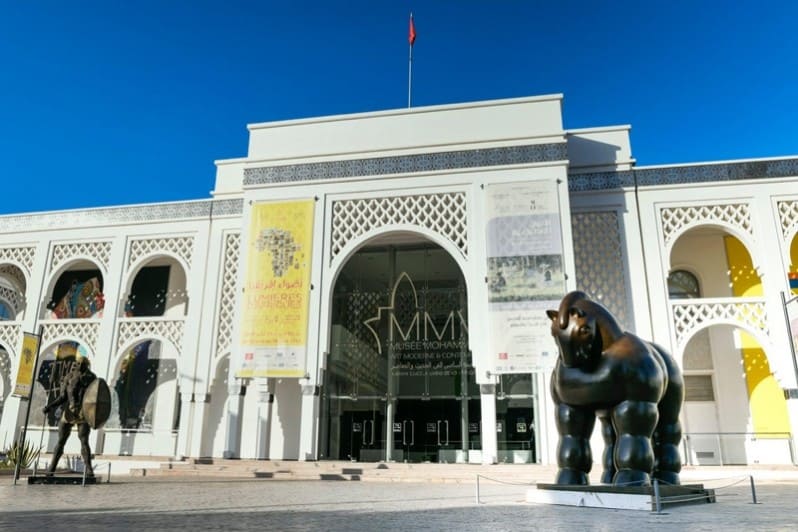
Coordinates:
[683,285]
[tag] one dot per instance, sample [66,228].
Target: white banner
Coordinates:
[525,274]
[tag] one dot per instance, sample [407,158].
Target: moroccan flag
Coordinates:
[411,37]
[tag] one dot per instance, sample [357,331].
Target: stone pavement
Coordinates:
[234,504]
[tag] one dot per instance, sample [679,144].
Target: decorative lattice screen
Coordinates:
[227,298]
[182,246]
[98,251]
[598,255]
[443,213]
[21,255]
[676,218]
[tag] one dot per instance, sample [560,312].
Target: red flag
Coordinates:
[411,37]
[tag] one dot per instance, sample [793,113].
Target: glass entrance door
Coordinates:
[399,382]
[429,430]
[360,428]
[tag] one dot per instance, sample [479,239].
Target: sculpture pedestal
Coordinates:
[619,497]
[61,479]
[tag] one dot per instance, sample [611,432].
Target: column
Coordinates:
[308,442]
[233,412]
[490,452]
[198,424]
[265,390]
[184,429]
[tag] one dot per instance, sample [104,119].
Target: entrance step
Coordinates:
[353,471]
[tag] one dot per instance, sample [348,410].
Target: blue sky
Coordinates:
[108,103]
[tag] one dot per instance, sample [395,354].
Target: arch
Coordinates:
[758,334]
[792,249]
[397,331]
[721,261]
[135,379]
[13,291]
[685,277]
[347,252]
[53,343]
[123,349]
[136,268]
[63,269]
[48,360]
[744,237]
[140,262]
[354,245]
[18,265]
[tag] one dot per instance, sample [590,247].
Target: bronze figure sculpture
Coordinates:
[86,401]
[634,387]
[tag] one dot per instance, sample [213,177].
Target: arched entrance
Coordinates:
[399,383]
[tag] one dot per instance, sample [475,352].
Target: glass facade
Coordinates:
[399,383]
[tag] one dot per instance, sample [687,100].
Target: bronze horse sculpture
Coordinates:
[634,387]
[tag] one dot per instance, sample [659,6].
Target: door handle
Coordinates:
[439,432]
[372,432]
[412,432]
[447,431]
[365,428]
[404,432]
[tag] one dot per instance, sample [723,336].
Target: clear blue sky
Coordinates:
[107,103]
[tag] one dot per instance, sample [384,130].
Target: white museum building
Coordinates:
[372,287]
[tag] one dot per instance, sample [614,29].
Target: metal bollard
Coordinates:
[477,489]
[753,490]
[657,500]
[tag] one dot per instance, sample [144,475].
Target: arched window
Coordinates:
[683,285]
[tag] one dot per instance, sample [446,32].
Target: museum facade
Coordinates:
[373,287]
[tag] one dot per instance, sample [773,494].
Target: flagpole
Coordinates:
[411,39]
[410,77]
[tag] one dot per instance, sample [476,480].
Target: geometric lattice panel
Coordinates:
[598,257]
[182,246]
[5,377]
[10,335]
[84,331]
[735,215]
[444,214]
[13,297]
[100,252]
[23,256]
[227,299]
[131,330]
[687,317]
[13,274]
[788,214]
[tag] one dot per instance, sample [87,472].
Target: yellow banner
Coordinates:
[274,324]
[27,366]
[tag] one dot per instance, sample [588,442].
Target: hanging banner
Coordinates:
[276,295]
[525,274]
[27,366]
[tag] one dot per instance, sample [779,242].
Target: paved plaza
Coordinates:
[236,504]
